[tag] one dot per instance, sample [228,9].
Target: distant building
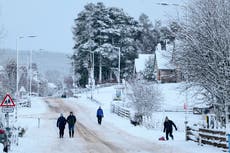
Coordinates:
[22,91]
[167,71]
[164,68]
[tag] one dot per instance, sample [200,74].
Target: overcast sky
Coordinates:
[52,20]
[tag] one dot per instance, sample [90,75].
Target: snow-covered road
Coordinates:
[90,137]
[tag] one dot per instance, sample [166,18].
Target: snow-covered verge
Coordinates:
[172,98]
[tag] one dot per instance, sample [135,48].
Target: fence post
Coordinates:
[228,142]
[38,122]
[200,141]
[186,133]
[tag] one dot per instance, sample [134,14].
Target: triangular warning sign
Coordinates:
[7,101]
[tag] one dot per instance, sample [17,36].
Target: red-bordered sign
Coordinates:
[7,101]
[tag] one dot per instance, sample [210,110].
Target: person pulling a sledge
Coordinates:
[168,127]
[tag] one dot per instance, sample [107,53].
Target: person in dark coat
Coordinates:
[61,125]
[100,115]
[168,127]
[71,119]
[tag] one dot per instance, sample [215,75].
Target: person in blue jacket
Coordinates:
[100,115]
[61,125]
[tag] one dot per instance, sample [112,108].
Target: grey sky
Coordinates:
[52,20]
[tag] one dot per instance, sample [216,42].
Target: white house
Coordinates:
[164,68]
[167,72]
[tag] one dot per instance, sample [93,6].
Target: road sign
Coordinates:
[6,109]
[7,101]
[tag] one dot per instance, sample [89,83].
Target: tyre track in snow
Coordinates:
[96,144]
[93,142]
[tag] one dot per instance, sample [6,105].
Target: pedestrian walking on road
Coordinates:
[71,119]
[61,125]
[100,115]
[168,127]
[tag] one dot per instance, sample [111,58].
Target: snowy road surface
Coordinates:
[93,138]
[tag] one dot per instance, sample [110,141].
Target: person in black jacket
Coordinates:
[71,119]
[168,127]
[61,125]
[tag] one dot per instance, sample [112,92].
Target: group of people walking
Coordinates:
[61,122]
[71,120]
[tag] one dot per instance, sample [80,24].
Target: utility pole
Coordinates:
[100,64]
[30,72]
[119,65]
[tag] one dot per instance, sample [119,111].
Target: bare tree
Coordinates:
[145,97]
[204,51]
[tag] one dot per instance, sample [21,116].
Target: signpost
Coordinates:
[7,107]
[7,104]
[7,101]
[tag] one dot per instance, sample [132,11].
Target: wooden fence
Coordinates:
[212,137]
[120,111]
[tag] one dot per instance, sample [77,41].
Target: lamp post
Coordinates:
[119,65]
[92,81]
[176,5]
[30,71]
[17,71]
[17,77]
[74,75]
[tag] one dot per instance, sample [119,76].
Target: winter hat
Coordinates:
[61,114]
[166,118]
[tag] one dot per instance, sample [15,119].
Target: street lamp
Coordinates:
[119,65]
[92,81]
[17,71]
[17,39]
[176,5]
[74,77]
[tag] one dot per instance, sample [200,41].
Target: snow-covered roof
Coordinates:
[164,57]
[141,60]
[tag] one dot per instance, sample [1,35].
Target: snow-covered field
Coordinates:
[116,134]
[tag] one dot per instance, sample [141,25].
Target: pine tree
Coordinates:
[98,32]
[148,36]
[149,71]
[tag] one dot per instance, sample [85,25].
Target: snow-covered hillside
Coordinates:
[45,60]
